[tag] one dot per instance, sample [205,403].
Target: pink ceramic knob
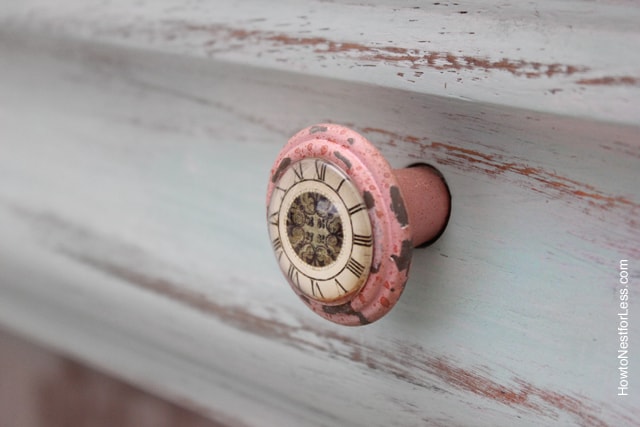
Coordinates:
[343,224]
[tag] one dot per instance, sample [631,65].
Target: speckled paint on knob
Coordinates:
[339,224]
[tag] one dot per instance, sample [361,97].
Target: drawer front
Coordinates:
[136,145]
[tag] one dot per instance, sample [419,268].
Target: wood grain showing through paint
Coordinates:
[224,38]
[493,164]
[611,81]
[584,197]
[520,55]
[132,215]
[409,363]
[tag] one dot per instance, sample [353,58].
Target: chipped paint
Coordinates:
[317,129]
[522,394]
[419,55]
[494,165]
[343,159]
[397,206]
[403,260]
[284,164]
[431,369]
[410,364]
[586,197]
[346,309]
[611,81]
[228,38]
[369,201]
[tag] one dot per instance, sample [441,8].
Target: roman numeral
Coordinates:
[340,185]
[321,170]
[292,274]
[274,218]
[277,244]
[315,285]
[357,208]
[340,286]
[299,173]
[355,267]
[362,240]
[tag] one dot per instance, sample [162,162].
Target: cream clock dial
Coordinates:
[320,230]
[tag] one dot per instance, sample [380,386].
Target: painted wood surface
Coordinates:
[133,167]
[569,57]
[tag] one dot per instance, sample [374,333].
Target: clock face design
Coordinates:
[320,230]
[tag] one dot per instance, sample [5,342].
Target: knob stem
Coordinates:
[427,200]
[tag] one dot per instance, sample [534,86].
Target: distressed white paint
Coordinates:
[117,155]
[561,44]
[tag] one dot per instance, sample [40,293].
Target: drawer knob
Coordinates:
[343,224]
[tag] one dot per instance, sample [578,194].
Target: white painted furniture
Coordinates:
[135,147]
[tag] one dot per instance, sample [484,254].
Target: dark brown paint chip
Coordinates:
[316,129]
[397,206]
[344,160]
[345,309]
[368,200]
[404,259]
[281,167]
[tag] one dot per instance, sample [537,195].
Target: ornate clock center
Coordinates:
[320,230]
[314,229]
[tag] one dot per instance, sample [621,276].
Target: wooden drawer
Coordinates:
[135,147]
